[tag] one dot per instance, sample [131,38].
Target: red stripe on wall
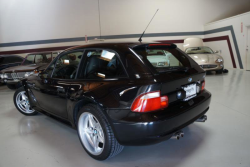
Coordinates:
[172,41]
[221,38]
[34,50]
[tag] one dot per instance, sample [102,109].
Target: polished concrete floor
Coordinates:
[223,141]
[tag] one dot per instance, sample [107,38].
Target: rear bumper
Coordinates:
[150,128]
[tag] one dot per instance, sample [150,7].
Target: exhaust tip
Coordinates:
[178,137]
[202,119]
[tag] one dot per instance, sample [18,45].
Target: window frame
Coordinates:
[27,60]
[62,54]
[82,63]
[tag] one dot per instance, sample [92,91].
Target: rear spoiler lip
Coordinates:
[156,46]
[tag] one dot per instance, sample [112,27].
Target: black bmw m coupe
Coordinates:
[118,94]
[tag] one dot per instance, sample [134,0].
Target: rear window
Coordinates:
[164,58]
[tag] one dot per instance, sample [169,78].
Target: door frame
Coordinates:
[247,48]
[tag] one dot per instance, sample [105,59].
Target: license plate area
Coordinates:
[190,91]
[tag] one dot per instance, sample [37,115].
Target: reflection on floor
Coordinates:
[222,141]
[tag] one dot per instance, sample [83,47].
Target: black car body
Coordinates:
[7,61]
[141,96]
[33,61]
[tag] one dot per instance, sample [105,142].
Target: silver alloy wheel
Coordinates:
[23,104]
[91,133]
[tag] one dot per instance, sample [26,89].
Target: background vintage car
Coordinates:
[7,61]
[34,61]
[203,55]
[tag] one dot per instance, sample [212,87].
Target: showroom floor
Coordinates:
[224,140]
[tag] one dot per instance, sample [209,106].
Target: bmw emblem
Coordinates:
[189,79]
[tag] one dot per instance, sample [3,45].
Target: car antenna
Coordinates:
[147,26]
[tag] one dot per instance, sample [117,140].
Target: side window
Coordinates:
[49,70]
[54,55]
[100,64]
[66,66]
[39,59]
[48,57]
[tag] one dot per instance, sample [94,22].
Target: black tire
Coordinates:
[219,71]
[19,90]
[111,146]
[11,86]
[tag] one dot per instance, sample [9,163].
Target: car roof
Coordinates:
[10,55]
[107,44]
[42,52]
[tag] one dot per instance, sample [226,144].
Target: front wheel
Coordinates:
[95,133]
[21,102]
[219,71]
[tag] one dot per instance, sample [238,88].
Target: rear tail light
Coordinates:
[150,101]
[203,85]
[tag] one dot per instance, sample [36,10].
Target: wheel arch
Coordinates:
[80,104]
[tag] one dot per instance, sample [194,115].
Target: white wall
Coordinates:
[241,37]
[30,20]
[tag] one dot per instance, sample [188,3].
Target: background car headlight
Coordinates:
[219,60]
[1,76]
[5,76]
[27,74]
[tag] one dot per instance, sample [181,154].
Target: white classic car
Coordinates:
[203,55]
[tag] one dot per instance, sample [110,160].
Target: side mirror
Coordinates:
[217,51]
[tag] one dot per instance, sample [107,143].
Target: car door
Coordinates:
[51,88]
[101,73]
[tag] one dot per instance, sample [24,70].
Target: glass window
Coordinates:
[66,66]
[48,57]
[29,60]
[199,50]
[100,64]
[48,72]
[54,55]
[164,59]
[39,59]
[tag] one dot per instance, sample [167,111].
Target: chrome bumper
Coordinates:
[212,67]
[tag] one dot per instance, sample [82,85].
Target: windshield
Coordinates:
[199,50]
[164,58]
[37,59]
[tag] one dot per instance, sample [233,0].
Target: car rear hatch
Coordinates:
[180,77]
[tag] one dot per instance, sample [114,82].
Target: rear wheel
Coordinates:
[21,102]
[95,133]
